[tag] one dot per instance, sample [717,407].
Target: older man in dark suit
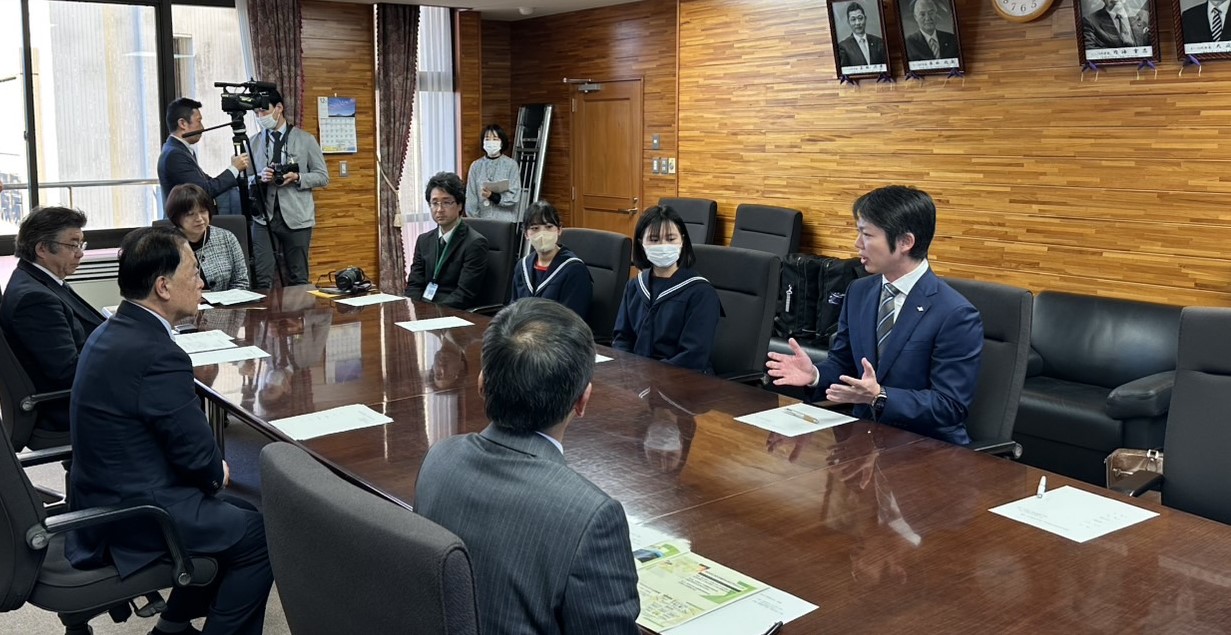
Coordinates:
[550,550]
[139,435]
[1112,27]
[178,162]
[929,42]
[450,261]
[44,320]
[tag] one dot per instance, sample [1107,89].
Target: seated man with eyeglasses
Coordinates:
[451,260]
[44,321]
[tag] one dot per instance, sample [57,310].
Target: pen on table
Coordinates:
[1042,487]
[808,418]
[774,629]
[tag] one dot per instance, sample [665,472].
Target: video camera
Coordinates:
[252,95]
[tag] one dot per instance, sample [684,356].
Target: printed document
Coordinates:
[677,586]
[434,324]
[796,419]
[600,358]
[1074,513]
[375,298]
[332,421]
[498,187]
[234,296]
[227,355]
[204,341]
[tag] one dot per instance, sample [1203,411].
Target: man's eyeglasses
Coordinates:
[73,246]
[442,204]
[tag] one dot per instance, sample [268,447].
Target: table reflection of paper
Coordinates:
[203,341]
[332,421]
[796,419]
[227,355]
[234,296]
[1074,513]
[375,298]
[433,324]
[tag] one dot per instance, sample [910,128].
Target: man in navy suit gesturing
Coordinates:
[908,346]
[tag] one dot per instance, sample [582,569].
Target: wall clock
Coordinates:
[1021,10]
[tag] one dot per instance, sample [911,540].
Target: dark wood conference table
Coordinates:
[885,530]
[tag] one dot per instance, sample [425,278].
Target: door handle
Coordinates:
[632,210]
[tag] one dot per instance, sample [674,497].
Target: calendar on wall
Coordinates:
[337,121]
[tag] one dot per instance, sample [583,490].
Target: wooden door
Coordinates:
[607,155]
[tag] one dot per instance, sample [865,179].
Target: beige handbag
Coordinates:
[1125,461]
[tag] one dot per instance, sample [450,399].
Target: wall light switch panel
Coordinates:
[671,165]
[343,168]
[654,166]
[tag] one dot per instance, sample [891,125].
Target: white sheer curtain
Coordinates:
[433,130]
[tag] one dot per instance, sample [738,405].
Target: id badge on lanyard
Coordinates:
[429,292]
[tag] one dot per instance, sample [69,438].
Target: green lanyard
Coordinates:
[440,258]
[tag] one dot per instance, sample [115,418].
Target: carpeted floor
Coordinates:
[243,452]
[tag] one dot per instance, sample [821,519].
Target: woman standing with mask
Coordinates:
[669,313]
[551,271]
[493,168]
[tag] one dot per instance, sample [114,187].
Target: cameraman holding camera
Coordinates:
[178,162]
[291,165]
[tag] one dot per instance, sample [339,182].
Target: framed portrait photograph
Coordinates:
[929,36]
[857,29]
[1116,31]
[1201,29]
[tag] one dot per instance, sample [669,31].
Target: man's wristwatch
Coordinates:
[878,403]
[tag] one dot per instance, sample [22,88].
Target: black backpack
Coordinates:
[797,297]
[835,276]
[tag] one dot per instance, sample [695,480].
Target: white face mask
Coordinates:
[662,256]
[545,241]
[267,122]
[492,148]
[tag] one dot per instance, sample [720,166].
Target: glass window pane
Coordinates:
[207,50]
[13,168]
[96,109]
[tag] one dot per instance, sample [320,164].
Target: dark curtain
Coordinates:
[397,42]
[277,52]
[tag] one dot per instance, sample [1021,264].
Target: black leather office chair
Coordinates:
[768,228]
[502,244]
[1006,313]
[608,255]
[1198,473]
[700,217]
[19,404]
[747,285]
[374,566]
[35,569]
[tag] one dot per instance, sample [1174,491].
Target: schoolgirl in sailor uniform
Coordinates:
[550,270]
[668,313]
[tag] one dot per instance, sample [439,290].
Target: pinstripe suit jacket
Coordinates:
[550,550]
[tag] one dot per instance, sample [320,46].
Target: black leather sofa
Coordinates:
[1099,378]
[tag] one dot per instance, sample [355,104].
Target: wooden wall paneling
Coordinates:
[1043,180]
[338,60]
[469,57]
[626,41]
[497,80]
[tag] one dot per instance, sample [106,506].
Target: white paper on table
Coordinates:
[753,614]
[202,341]
[600,358]
[796,419]
[642,536]
[227,355]
[202,307]
[234,296]
[332,421]
[434,324]
[375,298]
[1074,513]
